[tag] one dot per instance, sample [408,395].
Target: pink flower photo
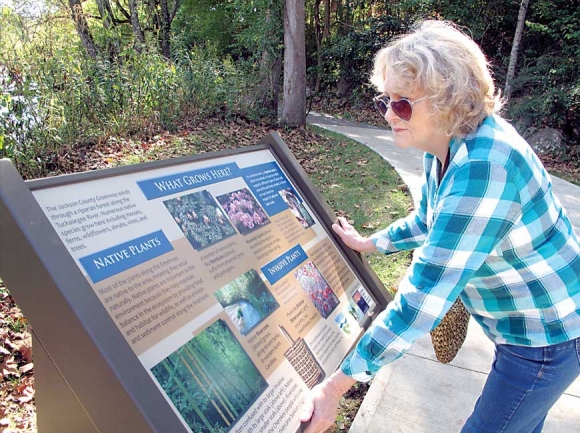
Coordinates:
[243,210]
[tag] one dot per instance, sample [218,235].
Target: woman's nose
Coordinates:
[389,115]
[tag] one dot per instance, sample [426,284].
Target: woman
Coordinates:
[488,230]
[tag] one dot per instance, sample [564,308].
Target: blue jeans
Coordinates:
[524,383]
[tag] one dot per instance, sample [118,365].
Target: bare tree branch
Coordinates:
[123,10]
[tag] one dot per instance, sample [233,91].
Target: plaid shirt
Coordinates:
[491,232]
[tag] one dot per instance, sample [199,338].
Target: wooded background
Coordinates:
[80,72]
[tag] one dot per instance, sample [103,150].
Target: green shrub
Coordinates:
[69,99]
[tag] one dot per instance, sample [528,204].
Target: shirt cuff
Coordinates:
[356,367]
[382,242]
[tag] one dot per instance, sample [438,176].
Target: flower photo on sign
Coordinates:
[200,219]
[318,290]
[243,210]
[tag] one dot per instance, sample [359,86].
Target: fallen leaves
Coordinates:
[8,367]
[371,225]
[25,390]
[348,407]
[17,408]
[23,346]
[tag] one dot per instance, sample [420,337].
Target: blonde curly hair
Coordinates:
[449,67]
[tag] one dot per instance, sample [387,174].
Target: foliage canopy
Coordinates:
[130,68]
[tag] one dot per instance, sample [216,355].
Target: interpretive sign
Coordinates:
[205,293]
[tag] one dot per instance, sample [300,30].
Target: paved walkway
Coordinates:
[417,394]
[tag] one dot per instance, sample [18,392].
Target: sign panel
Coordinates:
[223,278]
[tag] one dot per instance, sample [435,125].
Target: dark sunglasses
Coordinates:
[403,108]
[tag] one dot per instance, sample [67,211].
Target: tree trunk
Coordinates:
[112,45]
[276,84]
[82,27]
[106,13]
[319,35]
[151,6]
[294,106]
[136,25]
[326,28]
[511,72]
[268,92]
[165,30]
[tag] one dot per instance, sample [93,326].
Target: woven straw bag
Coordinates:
[449,335]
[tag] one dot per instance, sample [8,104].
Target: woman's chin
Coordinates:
[401,144]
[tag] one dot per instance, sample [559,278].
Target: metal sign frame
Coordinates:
[88,377]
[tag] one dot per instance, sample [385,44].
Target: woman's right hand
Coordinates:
[351,237]
[321,403]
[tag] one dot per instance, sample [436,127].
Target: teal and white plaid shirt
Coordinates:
[493,233]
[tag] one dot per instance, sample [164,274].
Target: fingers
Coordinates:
[346,232]
[320,406]
[304,426]
[317,424]
[338,230]
[341,227]
[343,222]
[307,408]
